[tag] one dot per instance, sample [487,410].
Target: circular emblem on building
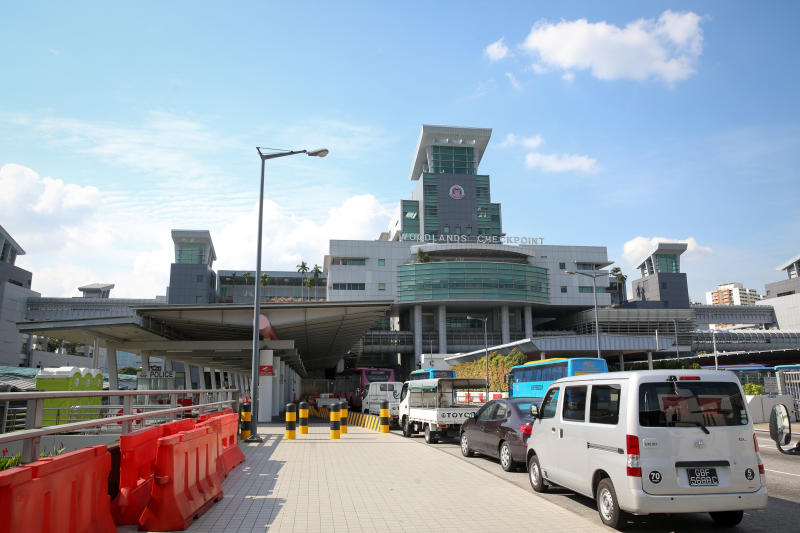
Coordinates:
[456,192]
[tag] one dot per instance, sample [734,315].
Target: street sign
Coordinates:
[771,385]
[265,370]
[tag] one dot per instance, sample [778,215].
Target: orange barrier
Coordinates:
[229,453]
[186,480]
[65,493]
[206,416]
[172,428]
[137,460]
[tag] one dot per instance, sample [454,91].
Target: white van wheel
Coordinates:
[608,507]
[535,475]
[430,436]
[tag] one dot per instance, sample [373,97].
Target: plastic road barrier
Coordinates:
[384,422]
[246,417]
[291,421]
[186,481]
[206,416]
[137,461]
[335,429]
[58,494]
[303,420]
[343,417]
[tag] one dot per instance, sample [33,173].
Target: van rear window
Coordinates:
[387,386]
[705,403]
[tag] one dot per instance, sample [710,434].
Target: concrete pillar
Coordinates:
[284,385]
[187,371]
[442,320]
[543,355]
[145,361]
[265,387]
[528,320]
[111,359]
[621,362]
[505,328]
[417,336]
[213,373]
[168,364]
[276,387]
[95,353]
[649,360]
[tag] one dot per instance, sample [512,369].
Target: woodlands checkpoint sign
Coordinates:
[480,239]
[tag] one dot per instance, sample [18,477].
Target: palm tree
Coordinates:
[302,268]
[309,282]
[316,271]
[246,276]
[621,279]
[264,283]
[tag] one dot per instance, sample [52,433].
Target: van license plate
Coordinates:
[702,477]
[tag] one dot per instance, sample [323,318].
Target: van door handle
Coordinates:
[553,430]
[561,433]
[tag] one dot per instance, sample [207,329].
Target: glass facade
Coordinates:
[453,159]
[430,202]
[410,220]
[190,254]
[472,280]
[668,263]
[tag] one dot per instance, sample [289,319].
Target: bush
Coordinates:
[753,389]
[499,366]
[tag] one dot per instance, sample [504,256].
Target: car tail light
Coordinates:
[632,449]
[689,378]
[755,442]
[760,464]
[526,429]
[760,468]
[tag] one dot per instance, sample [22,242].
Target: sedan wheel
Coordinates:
[465,449]
[505,457]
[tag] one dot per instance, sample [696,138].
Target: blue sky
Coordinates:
[613,125]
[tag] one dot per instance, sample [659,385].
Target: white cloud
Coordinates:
[496,51]
[72,243]
[667,48]
[512,140]
[635,249]
[561,162]
[514,82]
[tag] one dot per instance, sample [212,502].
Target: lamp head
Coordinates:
[319,152]
[569,272]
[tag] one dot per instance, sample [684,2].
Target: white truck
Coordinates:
[432,406]
[382,391]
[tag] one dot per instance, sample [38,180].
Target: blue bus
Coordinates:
[532,379]
[431,373]
[788,368]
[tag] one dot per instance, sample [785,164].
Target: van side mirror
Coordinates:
[780,429]
[534,411]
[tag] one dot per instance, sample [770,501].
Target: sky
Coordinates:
[613,124]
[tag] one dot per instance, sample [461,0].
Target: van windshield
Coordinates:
[691,403]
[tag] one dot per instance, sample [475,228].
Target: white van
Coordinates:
[382,391]
[661,441]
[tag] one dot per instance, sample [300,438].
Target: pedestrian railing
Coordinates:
[125,411]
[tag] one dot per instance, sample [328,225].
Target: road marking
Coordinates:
[784,473]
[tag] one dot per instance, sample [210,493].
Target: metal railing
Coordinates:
[111,418]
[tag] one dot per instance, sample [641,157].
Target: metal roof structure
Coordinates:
[477,138]
[305,335]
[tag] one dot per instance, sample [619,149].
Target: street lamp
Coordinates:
[594,285]
[264,154]
[485,348]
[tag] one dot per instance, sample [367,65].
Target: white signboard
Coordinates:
[771,385]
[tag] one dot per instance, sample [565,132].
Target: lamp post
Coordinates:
[264,154]
[714,344]
[485,348]
[594,286]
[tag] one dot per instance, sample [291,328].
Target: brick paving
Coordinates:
[371,482]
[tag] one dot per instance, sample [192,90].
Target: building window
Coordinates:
[453,159]
[381,286]
[584,289]
[457,230]
[446,229]
[562,266]
[469,230]
[381,262]
[199,278]
[349,286]
[585,266]
[198,299]
[190,254]
[564,288]
[349,261]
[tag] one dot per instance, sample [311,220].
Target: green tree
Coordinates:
[303,269]
[264,283]
[316,272]
[422,257]
[129,370]
[621,279]
[309,284]
[499,367]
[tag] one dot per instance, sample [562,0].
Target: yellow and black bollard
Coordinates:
[384,422]
[335,429]
[343,417]
[291,421]
[303,420]
[245,416]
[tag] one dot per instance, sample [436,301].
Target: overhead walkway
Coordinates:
[369,481]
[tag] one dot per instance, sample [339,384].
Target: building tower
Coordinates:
[662,284]
[191,278]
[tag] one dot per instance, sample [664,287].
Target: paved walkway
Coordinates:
[374,482]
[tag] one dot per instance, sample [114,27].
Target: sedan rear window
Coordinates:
[695,403]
